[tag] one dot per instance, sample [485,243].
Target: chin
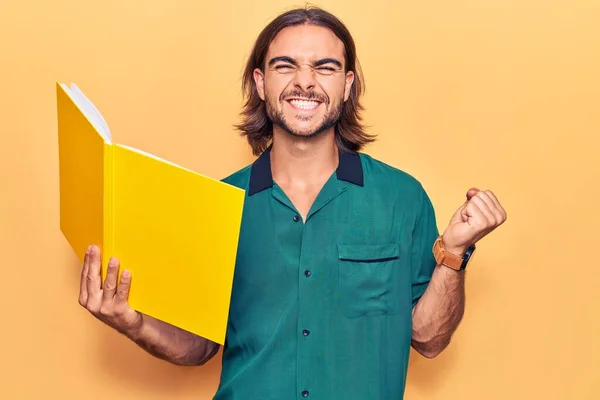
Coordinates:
[303,132]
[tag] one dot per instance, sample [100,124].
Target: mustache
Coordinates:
[305,95]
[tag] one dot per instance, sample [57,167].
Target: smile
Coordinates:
[304,105]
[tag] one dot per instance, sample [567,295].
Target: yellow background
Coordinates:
[497,94]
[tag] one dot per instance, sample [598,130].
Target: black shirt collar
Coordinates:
[349,169]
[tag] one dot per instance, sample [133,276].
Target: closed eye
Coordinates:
[284,68]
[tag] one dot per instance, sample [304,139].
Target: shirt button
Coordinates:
[305,393]
[296,218]
[307,273]
[306,332]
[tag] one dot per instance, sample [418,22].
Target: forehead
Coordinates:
[306,42]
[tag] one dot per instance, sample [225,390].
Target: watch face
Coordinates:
[467,256]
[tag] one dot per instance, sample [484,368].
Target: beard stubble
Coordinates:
[329,120]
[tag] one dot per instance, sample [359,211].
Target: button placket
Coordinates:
[305,296]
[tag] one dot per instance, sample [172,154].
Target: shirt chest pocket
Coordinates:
[368,277]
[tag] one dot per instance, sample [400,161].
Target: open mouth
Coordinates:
[304,105]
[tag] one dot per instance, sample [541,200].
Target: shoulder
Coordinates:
[403,189]
[239,178]
[379,173]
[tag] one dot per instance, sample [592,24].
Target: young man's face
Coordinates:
[304,84]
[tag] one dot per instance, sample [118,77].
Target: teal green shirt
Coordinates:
[322,308]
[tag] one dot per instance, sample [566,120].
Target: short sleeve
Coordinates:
[422,261]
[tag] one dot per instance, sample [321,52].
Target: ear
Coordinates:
[259,79]
[349,82]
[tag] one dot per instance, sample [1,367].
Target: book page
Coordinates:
[90,110]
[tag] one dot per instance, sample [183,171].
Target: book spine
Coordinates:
[108,232]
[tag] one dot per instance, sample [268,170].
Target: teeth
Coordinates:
[305,104]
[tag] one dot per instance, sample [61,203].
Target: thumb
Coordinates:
[472,192]
[460,214]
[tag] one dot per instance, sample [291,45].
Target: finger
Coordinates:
[123,288]
[496,202]
[498,217]
[93,279]
[110,283]
[487,217]
[83,280]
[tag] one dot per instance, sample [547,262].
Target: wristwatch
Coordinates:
[450,260]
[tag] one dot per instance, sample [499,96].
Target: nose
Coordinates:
[304,79]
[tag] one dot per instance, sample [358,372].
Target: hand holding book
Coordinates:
[108,300]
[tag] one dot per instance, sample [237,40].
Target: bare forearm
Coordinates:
[172,344]
[439,311]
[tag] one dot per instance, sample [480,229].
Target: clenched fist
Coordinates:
[107,302]
[477,217]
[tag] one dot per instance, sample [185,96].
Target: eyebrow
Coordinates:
[315,64]
[328,61]
[282,59]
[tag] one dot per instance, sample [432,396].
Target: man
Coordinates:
[340,266]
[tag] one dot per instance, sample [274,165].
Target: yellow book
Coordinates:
[174,229]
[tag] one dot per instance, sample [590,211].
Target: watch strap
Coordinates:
[445,258]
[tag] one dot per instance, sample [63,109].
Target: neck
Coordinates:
[304,161]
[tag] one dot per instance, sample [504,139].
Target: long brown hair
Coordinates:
[256,126]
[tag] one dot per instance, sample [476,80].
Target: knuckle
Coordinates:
[106,311]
